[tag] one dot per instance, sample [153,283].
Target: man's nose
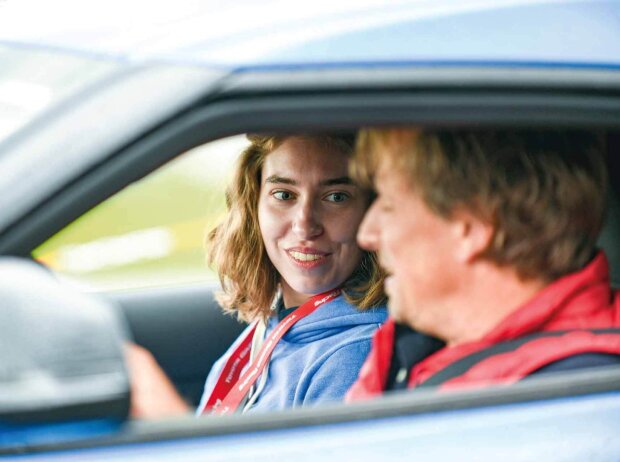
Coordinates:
[307,223]
[368,232]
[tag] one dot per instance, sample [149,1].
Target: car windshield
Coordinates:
[32,81]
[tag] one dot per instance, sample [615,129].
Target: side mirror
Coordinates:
[61,358]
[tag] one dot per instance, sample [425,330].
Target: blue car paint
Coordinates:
[565,34]
[571,429]
[578,33]
[16,435]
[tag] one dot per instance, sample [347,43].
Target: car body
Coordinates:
[128,92]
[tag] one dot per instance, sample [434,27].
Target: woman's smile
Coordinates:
[308,258]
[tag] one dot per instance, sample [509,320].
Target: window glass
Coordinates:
[31,81]
[151,233]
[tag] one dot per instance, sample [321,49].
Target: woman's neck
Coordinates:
[295,299]
[291,298]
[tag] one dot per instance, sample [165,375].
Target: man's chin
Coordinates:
[388,285]
[395,310]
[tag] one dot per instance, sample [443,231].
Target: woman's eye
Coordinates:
[283,195]
[337,197]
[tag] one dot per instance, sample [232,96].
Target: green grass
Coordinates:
[167,200]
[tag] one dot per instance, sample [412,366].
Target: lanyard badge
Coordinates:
[231,386]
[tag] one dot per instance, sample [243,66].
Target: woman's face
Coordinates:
[309,212]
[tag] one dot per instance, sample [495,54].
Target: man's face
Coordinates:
[415,246]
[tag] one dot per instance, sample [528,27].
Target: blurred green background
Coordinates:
[152,232]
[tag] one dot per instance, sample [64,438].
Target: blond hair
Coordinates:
[237,252]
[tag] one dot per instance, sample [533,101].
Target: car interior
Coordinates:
[186,330]
[199,326]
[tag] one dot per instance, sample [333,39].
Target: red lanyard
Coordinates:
[232,387]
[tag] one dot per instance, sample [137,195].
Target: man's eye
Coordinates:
[337,197]
[283,195]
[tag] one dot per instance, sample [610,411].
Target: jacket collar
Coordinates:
[580,299]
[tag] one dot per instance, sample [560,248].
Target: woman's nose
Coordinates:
[307,223]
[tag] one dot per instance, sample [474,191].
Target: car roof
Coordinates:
[281,34]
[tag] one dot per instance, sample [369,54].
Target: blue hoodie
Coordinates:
[316,361]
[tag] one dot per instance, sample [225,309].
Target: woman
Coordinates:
[289,236]
[290,265]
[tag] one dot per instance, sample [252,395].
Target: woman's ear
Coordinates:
[473,235]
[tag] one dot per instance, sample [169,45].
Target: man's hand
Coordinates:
[152,393]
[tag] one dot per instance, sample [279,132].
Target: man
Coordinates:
[489,241]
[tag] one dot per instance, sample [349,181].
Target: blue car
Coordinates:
[104,106]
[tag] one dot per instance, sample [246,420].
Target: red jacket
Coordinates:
[581,300]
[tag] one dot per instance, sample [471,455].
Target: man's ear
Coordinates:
[473,235]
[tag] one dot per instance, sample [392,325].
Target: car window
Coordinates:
[152,232]
[31,81]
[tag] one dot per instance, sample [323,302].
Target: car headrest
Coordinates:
[609,239]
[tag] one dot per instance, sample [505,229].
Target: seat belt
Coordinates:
[462,365]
